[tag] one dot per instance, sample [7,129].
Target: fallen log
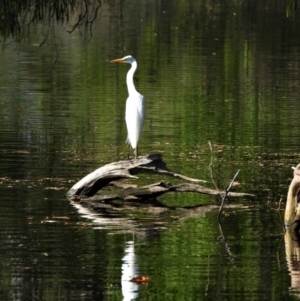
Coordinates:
[111,174]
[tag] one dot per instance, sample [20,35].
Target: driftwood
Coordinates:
[292,210]
[111,174]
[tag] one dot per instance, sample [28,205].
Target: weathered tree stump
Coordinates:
[112,174]
[292,209]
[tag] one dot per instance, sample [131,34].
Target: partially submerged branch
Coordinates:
[112,174]
[155,190]
[227,191]
[126,169]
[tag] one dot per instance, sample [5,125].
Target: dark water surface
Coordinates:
[229,75]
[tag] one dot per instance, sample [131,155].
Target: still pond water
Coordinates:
[228,75]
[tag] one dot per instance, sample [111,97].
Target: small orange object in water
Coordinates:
[140,279]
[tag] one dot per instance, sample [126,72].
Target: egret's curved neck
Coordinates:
[129,79]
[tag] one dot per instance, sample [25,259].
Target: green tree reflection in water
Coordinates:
[228,73]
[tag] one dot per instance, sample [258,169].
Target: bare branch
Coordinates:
[211,166]
[226,194]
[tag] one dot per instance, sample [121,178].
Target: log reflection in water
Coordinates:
[292,249]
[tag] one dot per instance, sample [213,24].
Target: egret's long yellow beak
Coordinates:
[118,61]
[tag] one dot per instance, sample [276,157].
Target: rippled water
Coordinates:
[206,77]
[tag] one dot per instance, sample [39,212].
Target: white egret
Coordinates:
[135,105]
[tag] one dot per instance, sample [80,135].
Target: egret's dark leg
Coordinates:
[128,158]
[136,152]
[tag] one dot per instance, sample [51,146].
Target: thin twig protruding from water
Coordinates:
[226,193]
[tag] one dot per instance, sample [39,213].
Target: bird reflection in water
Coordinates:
[129,270]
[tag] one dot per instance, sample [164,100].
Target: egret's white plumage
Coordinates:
[135,105]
